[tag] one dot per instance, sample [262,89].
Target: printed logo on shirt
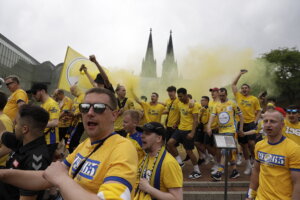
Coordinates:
[293,131]
[271,159]
[88,169]
[245,103]
[224,118]
[53,110]
[184,112]
[152,112]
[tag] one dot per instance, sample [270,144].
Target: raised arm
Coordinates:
[236,80]
[135,97]
[84,69]
[102,72]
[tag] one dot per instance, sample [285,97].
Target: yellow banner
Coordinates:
[70,73]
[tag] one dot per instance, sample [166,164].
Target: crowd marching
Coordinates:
[103,145]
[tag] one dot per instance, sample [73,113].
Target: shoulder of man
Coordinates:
[38,159]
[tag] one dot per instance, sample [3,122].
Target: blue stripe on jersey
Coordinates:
[294,169]
[120,180]
[52,137]
[158,171]
[67,163]
[281,139]
[98,141]
[137,137]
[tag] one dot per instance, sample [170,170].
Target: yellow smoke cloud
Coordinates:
[205,68]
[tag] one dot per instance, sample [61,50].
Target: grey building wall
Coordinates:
[14,60]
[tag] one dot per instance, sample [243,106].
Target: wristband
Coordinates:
[251,193]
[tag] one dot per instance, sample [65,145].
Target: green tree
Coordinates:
[285,65]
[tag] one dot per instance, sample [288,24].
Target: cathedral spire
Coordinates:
[149,63]
[149,52]
[170,51]
[170,69]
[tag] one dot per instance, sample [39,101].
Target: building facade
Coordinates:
[15,61]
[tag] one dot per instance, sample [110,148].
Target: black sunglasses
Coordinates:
[7,84]
[97,107]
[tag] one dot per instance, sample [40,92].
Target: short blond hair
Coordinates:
[14,78]
[134,114]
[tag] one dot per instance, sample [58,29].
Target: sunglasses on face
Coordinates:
[292,111]
[97,107]
[7,84]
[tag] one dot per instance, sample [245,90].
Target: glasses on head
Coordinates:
[7,84]
[292,111]
[97,107]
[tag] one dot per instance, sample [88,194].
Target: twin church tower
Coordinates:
[169,65]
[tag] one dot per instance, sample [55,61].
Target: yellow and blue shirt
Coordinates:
[136,140]
[276,163]
[292,131]
[51,134]
[116,160]
[66,105]
[170,175]
[211,105]
[76,101]
[225,113]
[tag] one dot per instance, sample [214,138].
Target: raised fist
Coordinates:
[83,68]
[92,58]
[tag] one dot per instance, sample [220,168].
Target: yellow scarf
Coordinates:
[155,173]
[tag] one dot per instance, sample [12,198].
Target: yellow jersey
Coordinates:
[291,131]
[276,162]
[118,125]
[225,114]
[51,134]
[173,111]
[116,160]
[11,108]
[8,124]
[249,105]
[152,112]
[65,105]
[211,105]
[170,175]
[137,142]
[76,101]
[260,129]
[186,116]
[203,115]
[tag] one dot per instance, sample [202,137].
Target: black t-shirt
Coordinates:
[31,156]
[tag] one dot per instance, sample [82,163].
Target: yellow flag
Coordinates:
[70,73]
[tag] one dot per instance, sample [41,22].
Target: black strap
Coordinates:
[169,113]
[94,150]
[121,105]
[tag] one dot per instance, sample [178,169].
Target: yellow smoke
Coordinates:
[205,68]
[201,69]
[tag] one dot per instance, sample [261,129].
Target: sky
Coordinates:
[117,31]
